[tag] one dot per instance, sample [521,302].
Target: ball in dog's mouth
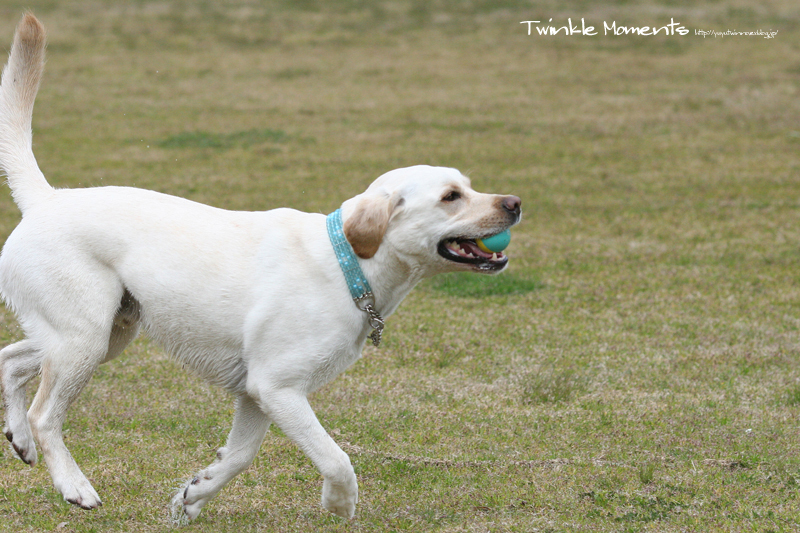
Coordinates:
[469,251]
[495,243]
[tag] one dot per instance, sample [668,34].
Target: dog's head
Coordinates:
[430,217]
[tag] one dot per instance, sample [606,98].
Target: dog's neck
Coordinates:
[392,277]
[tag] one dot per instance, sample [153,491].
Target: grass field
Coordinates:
[637,368]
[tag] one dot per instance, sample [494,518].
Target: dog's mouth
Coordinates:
[466,251]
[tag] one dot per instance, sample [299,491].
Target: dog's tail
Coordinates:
[18,89]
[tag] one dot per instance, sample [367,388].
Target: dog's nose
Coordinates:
[512,204]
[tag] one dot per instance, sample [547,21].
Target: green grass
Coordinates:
[547,386]
[637,367]
[203,139]
[479,286]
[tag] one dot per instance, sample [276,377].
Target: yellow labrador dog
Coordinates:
[268,305]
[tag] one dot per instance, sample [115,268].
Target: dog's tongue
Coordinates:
[471,247]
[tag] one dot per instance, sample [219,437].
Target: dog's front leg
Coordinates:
[289,409]
[250,425]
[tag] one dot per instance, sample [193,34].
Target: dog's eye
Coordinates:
[452,196]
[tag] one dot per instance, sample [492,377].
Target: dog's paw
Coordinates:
[81,494]
[23,444]
[187,503]
[340,498]
[178,514]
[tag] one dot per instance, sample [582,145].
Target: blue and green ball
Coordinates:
[495,243]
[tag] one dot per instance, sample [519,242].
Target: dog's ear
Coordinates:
[366,225]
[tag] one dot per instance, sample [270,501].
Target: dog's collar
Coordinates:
[357,282]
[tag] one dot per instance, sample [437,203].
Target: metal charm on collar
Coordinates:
[375,319]
[357,282]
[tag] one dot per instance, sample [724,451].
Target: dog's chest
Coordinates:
[326,368]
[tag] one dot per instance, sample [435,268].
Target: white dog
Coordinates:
[255,302]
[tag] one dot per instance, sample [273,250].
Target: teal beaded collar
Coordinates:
[360,289]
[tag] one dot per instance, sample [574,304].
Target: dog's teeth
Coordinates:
[494,257]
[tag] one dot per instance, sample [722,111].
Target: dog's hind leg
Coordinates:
[250,425]
[66,368]
[73,344]
[19,363]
